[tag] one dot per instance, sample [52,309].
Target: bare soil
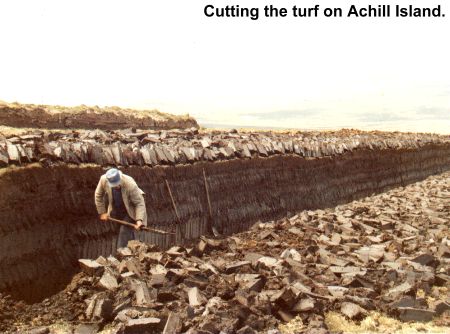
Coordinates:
[387,253]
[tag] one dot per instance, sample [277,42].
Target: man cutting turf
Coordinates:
[118,196]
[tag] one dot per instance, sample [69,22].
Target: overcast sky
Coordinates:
[391,73]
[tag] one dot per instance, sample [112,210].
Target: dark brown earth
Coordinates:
[48,219]
[88,117]
[388,252]
[50,211]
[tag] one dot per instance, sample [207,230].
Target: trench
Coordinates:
[48,218]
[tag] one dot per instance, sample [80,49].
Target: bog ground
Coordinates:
[320,231]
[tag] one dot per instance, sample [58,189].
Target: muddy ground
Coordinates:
[387,253]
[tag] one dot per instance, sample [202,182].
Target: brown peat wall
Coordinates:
[48,218]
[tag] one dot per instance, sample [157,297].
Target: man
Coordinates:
[125,202]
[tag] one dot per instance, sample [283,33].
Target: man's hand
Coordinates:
[138,224]
[104,217]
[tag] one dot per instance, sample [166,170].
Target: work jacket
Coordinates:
[131,194]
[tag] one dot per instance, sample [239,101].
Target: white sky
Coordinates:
[277,72]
